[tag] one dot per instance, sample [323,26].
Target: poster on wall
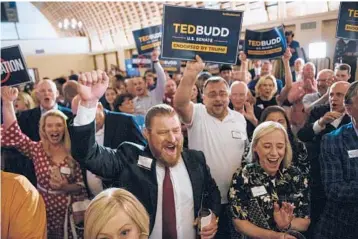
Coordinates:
[214,36]
[347,24]
[13,67]
[265,44]
[146,39]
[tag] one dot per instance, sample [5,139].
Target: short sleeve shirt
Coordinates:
[222,142]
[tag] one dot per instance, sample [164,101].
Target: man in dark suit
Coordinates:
[112,129]
[322,120]
[156,174]
[339,172]
[29,120]
[256,71]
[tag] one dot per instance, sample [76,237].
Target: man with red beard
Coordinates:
[173,184]
[214,129]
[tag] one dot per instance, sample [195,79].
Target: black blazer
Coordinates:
[306,134]
[120,127]
[313,141]
[29,121]
[122,163]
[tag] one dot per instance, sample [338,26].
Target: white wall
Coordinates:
[70,45]
[32,25]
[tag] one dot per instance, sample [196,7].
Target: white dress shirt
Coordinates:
[184,201]
[183,191]
[318,129]
[85,116]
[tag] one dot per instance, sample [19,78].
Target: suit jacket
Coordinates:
[313,141]
[29,123]
[118,128]
[122,163]
[252,73]
[339,172]
[306,134]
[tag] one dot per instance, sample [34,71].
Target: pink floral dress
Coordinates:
[57,203]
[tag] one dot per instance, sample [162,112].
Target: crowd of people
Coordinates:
[106,156]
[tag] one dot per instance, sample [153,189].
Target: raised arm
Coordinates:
[182,102]
[100,160]
[8,96]
[161,78]
[288,78]
[244,67]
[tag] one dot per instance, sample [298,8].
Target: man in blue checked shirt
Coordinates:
[339,172]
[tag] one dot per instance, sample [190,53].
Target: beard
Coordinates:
[167,159]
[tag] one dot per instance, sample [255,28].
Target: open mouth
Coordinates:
[47,99]
[170,149]
[55,136]
[272,162]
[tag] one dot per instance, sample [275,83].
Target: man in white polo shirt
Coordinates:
[214,129]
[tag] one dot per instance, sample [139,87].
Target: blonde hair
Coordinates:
[267,128]
[43,136]
[106,204]
[261,81]
[29,102]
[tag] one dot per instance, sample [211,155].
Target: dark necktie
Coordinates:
[169,219]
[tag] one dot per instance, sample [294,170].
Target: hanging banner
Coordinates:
[13,67]
[171,66]
[265,44]
[211,34]
[147,39]
[347,24]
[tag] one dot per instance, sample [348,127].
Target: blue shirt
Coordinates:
[294,45]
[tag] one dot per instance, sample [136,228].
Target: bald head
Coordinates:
[337,93]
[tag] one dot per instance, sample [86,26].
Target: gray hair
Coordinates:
[216,79]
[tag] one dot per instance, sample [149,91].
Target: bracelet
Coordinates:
[285,229]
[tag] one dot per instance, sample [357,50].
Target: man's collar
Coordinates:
[43,111]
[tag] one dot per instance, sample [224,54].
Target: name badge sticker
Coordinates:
[353,153]
[144,162]
[65,170]
[258,191]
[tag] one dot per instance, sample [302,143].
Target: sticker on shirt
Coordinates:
[258,191]
[65,170]
[261,106]
[144,162]
[353,153]
[238,135]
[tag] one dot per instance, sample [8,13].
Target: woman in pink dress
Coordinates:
[58,175]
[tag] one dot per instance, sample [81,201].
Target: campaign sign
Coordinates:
[147,39]
[13,67]
[131,72]
[171,66]
[265,44]
[347,25]
[141,61]
[211,34]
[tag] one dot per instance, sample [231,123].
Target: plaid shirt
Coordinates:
[339,172]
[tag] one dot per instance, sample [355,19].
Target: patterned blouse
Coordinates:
[251,187]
